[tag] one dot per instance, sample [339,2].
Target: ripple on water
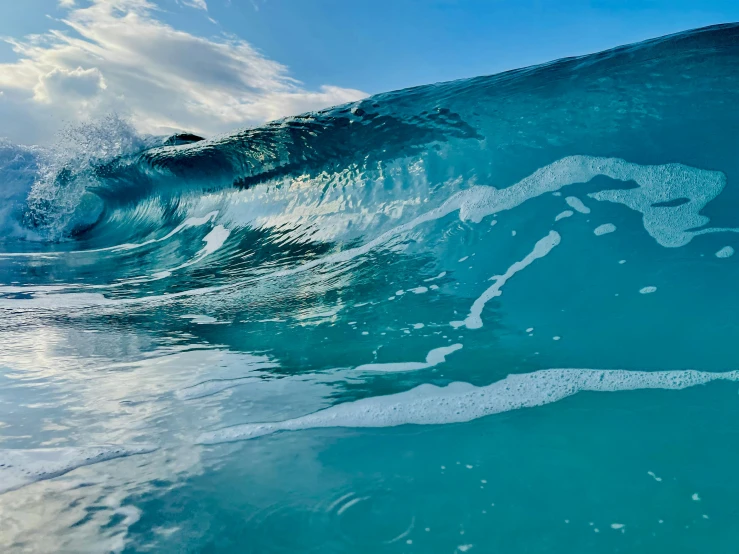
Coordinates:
[374,518]
[370,519]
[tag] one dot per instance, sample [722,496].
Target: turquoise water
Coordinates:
[493,315]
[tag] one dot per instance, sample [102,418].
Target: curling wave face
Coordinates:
[413,260]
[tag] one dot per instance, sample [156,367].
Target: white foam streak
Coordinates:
[670,226]
[435,357]
[462,402]
[541,249]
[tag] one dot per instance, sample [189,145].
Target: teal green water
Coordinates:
[494,315]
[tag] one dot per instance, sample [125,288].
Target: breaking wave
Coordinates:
[475,204]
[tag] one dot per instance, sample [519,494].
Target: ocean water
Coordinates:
[492,315]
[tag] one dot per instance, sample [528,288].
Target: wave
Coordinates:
[442,216]
[414,258]
[644,126]
[484,129]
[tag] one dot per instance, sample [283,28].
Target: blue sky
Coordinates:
[215,65]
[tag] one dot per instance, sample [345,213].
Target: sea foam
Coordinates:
[460,402]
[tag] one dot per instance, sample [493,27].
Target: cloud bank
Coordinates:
[116,56]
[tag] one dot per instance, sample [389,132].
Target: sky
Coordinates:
[213,66]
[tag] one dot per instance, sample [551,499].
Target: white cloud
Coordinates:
[66,3]
[199,4]
[64,85]
[116,56]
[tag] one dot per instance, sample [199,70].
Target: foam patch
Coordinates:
[576,204]
[604,229]
[725,252]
